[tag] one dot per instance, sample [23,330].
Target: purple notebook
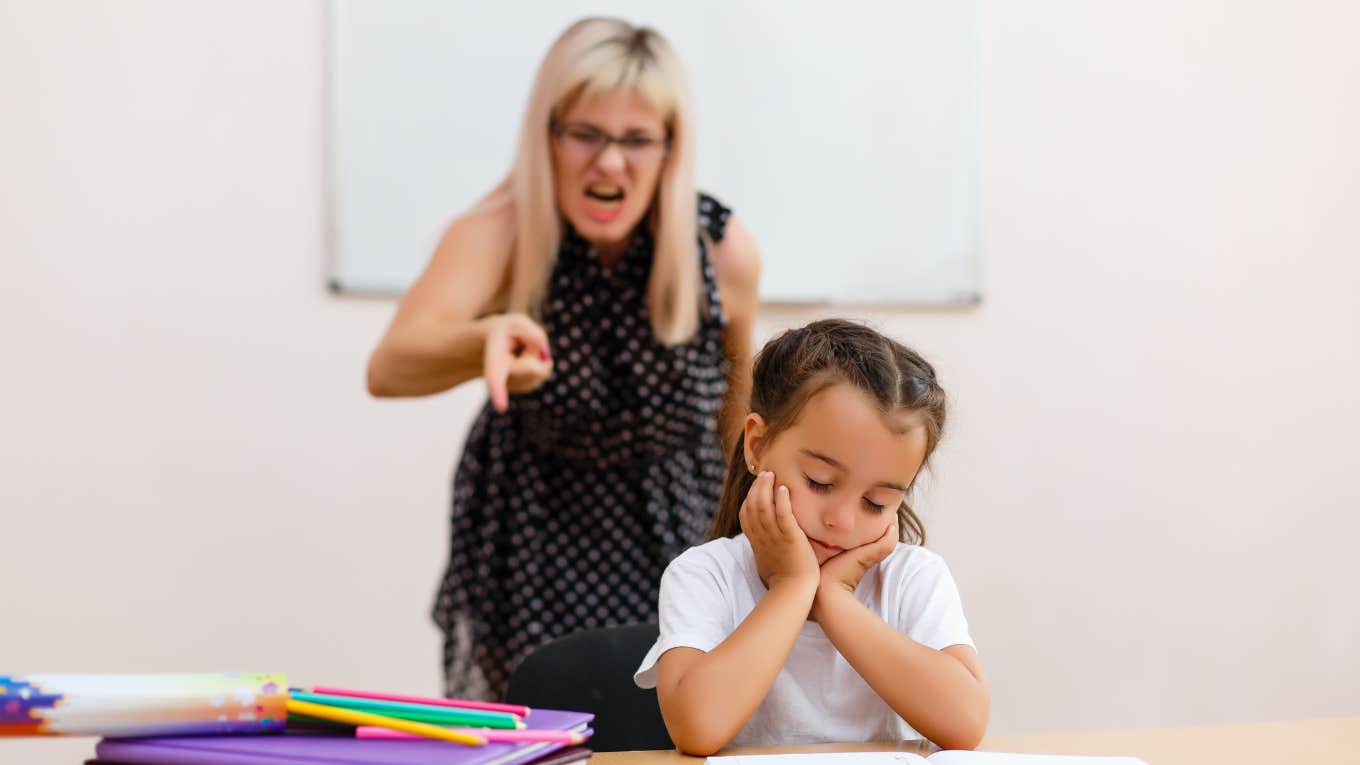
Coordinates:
[290,749]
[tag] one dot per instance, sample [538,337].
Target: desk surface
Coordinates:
[1333,741]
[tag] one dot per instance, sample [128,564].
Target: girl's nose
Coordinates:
[837,515]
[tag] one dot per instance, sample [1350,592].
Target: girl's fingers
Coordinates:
[783,513]
[878,549]
[767,504]
[744,516]
[750,513]
[763,506]
[889,538]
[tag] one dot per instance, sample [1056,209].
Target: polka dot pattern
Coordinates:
[567,507]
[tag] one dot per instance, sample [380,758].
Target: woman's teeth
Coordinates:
[604,204]
[605,193]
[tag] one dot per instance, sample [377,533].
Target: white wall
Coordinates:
[1148,494]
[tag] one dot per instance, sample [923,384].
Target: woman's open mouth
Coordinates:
[604,203]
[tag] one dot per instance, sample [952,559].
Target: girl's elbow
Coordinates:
[693,735]
[966,735]
[968,740]
[696,744]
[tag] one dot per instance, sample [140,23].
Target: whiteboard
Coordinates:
[846,136]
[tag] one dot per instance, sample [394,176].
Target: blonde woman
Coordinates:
[608,307]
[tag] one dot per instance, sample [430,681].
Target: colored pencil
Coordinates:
[549,736]
[486,706]
[355,717]
[447,716]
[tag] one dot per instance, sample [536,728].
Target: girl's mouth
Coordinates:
[824,546]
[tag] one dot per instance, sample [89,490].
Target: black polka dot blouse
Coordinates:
[567,507]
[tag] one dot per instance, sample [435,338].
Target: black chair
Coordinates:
[592,671]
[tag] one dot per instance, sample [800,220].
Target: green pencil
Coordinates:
[426,713]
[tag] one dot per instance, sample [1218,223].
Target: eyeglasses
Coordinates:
[587,142]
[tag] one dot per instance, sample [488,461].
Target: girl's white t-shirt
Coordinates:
[817,697]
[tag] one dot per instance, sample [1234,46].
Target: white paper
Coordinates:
[952,757]
[828,758]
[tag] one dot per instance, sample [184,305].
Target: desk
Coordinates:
[1333,741]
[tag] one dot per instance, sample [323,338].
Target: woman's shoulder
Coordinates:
[736,260]
[488,223]
[468,274]
[713,216]
[471,264]
[730,237]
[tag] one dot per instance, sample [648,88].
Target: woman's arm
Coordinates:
[736,263]
[437,338]
[942,694]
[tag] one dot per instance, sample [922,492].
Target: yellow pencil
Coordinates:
[355,717]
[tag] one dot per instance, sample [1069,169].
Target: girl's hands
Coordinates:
[515,357]
[844,569]
[783,552]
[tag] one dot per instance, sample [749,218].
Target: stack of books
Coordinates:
[240,719]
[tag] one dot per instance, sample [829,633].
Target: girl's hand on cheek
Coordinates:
[844,569]
[783,552]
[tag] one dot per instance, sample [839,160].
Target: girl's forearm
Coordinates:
[933,691]
[720,690]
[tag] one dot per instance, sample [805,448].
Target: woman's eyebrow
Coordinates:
[839,466]
[630,131]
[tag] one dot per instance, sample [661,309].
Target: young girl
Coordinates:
[806,618]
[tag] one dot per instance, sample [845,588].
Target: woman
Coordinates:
[609,308]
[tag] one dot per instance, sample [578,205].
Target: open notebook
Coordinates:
[948,757]
[324,749]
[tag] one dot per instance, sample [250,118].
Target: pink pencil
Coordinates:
[488,706]
[551,736]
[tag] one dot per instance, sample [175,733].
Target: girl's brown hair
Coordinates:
[799,364]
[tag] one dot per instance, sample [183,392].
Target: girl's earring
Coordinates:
[752,468]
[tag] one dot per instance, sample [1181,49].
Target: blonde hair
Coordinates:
[594,55]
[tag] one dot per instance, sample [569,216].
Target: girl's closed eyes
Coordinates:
[824,488]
